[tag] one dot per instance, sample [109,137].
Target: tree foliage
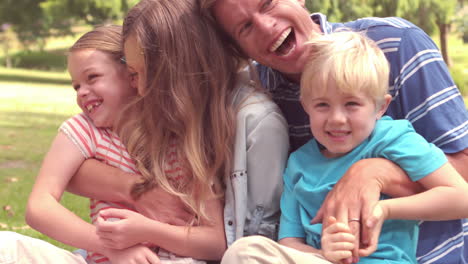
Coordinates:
[431,15]
[34,20]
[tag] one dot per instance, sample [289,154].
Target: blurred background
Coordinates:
[36,95]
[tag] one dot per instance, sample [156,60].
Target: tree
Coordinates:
[27,20]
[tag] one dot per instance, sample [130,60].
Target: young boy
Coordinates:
[344,92]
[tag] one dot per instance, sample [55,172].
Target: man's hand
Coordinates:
[159,205]
[356,193]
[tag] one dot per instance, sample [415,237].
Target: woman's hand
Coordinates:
[121,228]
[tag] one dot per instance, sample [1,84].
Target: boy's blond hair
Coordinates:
[349,59]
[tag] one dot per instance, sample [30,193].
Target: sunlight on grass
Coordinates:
[30,114]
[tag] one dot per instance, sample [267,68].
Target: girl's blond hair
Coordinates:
[106,38]
[189,82]
[349,59]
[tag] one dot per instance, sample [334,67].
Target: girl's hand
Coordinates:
[138,254]
[121,228]
[374,226]
[337,241]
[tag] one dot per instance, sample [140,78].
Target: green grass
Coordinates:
[32,106]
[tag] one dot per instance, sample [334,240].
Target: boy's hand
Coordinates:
[373,224]
[337,241]
[138,254]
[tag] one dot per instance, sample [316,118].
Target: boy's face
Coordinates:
[272,32]
[102,85]
[339,121]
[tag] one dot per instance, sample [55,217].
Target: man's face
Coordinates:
[272,32]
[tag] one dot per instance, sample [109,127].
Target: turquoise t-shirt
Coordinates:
[309,177]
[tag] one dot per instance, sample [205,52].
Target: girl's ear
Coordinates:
[384,105]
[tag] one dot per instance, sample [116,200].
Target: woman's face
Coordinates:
[135,63]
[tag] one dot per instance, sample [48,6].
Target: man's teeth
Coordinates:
[280,40]
[90,107]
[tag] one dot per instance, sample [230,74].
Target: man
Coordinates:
[273,33]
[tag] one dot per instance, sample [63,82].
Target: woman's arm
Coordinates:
[267,154]
[206,241]
[44,211]
[97,180]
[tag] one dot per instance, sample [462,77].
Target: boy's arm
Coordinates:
[444,184]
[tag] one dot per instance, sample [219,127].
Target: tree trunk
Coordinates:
[443,30]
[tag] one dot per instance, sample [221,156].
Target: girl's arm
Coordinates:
[445,199]
[206,241]
[44,211]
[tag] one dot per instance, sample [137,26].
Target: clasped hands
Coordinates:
[352,216]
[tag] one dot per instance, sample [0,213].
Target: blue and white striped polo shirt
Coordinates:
[423,92]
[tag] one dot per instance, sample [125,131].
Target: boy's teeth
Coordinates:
[280,40]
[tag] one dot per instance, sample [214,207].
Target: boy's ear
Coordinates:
[302,2]
[383,107]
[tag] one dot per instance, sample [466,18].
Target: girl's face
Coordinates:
[135,62]
[102,85]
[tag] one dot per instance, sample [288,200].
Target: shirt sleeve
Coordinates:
[267,153]
[402,145]
[81,131]
[425,94]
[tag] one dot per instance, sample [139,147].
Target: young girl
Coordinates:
[103,87]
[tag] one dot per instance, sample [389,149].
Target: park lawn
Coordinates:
[32,106]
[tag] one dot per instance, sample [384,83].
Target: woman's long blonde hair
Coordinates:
[190,79]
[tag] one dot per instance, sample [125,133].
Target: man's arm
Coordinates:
[459,161]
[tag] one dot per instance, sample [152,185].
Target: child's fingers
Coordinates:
[153,258]
[104,226]
[114,213]
[339,255]
[341,246]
